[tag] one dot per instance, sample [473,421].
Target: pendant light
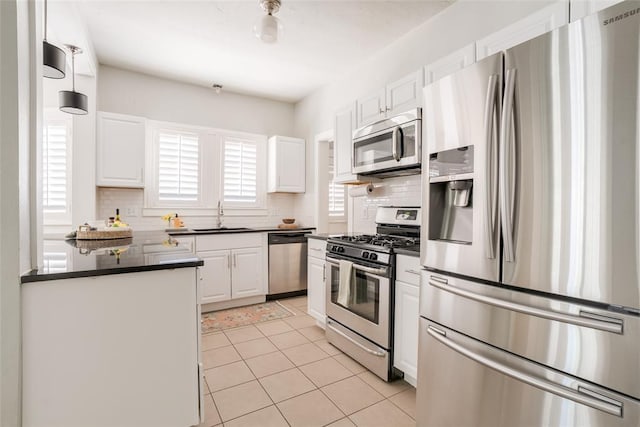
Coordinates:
[268,28]
[73,102]
[53,58]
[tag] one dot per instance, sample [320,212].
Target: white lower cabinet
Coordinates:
[229,274]
[407,313]
[316,280]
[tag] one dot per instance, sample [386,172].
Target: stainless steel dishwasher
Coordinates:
[288,263]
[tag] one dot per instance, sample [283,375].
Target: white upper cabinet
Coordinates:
[538,23]
[120,150]
[397,97]
[343,134]
[582,8]
[450,64]
[286,170]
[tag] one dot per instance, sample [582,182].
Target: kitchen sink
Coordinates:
[220,229]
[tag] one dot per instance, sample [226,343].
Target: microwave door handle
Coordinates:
[396,138]
[491,166]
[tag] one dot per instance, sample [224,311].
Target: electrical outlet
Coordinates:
[365,212]
[131,212]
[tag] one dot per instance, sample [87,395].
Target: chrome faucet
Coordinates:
[220,214]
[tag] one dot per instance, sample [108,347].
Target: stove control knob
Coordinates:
[340,249]
[373,257]
[365,255]
[334,248]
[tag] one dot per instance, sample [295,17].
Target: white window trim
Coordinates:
[60,219]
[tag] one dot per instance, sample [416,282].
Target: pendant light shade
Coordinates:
[268,28]
[53,58]
[73,102]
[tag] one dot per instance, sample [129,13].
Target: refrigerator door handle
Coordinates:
[506,173]
[491,176]
[586,319]
[591,399]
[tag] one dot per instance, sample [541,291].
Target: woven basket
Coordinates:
[85,233]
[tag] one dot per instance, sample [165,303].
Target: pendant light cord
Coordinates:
[45,20]
[73,70]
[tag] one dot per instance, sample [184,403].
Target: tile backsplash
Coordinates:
[130,201]
[400,191]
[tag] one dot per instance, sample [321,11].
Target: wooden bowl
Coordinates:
[288,220]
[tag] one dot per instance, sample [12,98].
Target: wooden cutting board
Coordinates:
[288,226]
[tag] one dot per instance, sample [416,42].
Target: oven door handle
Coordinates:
[371,270]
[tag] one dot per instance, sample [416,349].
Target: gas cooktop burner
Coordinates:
[383,240]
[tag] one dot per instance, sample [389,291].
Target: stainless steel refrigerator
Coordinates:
[530,295]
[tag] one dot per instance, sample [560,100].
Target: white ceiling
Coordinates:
[206,42]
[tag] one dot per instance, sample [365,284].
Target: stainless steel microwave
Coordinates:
[389,147]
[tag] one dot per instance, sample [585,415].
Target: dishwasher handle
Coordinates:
[287,238]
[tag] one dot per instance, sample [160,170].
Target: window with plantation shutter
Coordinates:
[337,194]
[240,172]
[56,171]
[178,167]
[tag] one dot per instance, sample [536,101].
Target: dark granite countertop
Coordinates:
[409,250]
[146,251]
[231,230]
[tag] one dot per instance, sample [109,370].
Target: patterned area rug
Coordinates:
[242,316]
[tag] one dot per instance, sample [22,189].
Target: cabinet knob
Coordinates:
[381,111]
[388,109]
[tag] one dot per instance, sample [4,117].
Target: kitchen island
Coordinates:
[113,339]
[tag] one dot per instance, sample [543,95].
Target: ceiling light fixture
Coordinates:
[268,28]
[217,88]
[53,58]
[73,102]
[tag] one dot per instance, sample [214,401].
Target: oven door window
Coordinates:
[364,295]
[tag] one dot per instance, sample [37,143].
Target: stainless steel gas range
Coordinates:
[360,291]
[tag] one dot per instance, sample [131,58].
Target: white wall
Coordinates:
[127,92]
[460,24]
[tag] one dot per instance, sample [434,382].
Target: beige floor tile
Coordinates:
[245,333]
[325,371]
[383,387]
[228,375]
[240,400]
[274,328]
[299,322]
[268,364]
[295,301]
[352,394]
[219,356]
[255,348]
[406,401]
[312,409]
[383,414]
[205,386]
[287,384]
[267,417]
[313,333]
[211,416]
[288,339]
[350,364]
[327,347]
[345,422]
[303,354]
[217,340]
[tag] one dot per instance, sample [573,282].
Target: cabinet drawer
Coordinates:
[408,269]
[316,248]
[216,242]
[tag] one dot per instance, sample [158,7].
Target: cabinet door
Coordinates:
[407,309]
[534,25]
[216,276]
[120,150]
[246,275]
[286,165]
[343,144]
[450,64]
[370,108]
[404,94]
[582,8]
[316,282]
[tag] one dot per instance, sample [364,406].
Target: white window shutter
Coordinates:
[54,168]
[240,183]
[337,194]
[178,167]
